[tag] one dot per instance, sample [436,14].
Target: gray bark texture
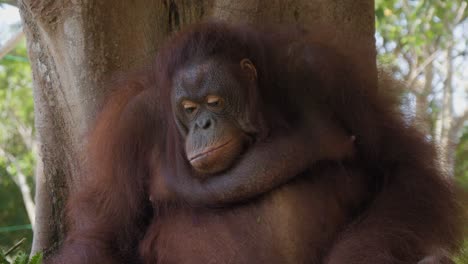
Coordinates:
[75,47]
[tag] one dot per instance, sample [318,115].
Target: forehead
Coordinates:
[197,80]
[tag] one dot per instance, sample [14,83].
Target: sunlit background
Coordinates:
[17,138]
[422,43]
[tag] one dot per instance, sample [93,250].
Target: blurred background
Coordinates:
[421,43]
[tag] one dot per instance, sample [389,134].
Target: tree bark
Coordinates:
[75,47]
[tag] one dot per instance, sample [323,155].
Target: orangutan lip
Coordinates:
[199,155]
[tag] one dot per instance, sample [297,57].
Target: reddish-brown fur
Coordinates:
[389,204]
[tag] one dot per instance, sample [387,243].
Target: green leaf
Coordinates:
[379,13]
[21,258]
[36,259]
[3,259]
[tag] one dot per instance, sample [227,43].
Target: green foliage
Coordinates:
[16,112]
[405,25]
[12,212]
[20,257]
[36,259]
[461,156]
[463,257]
[16,96]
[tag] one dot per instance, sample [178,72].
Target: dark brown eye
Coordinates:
[189,107]
[214,101]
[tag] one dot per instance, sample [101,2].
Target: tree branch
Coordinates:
[422,67]
[24,131]
[11,44]
[21,182]
[460,13]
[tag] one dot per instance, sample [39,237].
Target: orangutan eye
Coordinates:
[189,107]
[190,110]
[214,101]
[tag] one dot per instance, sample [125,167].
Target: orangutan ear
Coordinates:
[249,68]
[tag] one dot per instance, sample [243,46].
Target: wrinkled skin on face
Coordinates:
[209,104]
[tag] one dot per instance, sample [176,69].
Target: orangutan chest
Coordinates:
[290,225]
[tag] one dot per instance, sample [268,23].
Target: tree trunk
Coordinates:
[446,139]
[75,47]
